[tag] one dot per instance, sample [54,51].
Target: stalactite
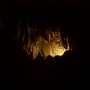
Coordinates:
[38,44]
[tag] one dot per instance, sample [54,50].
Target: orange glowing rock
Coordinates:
[53,46]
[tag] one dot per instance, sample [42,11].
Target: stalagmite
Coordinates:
[53,46]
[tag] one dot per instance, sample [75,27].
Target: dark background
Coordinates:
[72,72]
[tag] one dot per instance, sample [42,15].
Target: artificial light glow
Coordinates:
[51,44]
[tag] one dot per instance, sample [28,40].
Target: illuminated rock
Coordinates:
[51,46]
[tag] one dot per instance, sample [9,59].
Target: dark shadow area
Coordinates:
[70,71]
